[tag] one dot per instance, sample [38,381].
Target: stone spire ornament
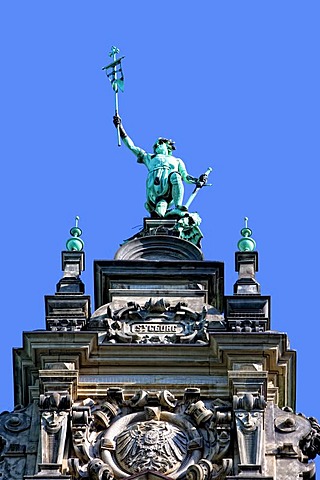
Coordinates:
[246,263]
[69,308]
[247,310]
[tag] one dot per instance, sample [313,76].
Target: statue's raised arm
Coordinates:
[126,139]
[166,174]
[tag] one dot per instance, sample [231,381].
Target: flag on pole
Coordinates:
[115,74]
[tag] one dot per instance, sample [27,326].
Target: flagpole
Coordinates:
[113,54]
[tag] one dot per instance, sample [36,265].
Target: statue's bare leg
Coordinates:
[161,208]
[177,188]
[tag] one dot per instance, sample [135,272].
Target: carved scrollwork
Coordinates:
[219,432]
[109,409]
[97,470]
[55,401]
[249,402]
[151,430]
[81,420]
[310,444]
[200,471]
[143,398]
[215,424]
[199,412]
[155,322]
[205,470]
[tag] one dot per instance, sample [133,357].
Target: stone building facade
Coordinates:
[167,378]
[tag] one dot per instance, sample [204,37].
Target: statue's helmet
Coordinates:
[170,144]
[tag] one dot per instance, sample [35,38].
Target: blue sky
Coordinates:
[234,83]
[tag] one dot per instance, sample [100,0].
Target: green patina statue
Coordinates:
[166,175]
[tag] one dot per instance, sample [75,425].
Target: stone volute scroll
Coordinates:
[310,443]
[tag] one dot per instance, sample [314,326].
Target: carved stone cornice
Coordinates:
[95,360]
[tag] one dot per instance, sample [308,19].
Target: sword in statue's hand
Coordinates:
[115,74]
[201,182]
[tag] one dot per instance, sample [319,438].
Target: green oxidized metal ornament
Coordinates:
[246,244]
[75,244]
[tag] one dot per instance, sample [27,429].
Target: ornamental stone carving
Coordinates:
[151,430]
[167,443]
[187,437]
[157,321]
[310,444]
[249,419]
[18,441]
[151,445]
[54,408]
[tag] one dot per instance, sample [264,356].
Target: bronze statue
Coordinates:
[164,185]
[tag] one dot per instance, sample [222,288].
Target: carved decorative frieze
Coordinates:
[151,430]
[186,437]
[156,322]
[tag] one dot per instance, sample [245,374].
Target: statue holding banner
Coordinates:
[166,173]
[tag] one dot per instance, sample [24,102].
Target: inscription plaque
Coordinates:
[156,328]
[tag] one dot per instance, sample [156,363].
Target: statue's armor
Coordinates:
[164,179]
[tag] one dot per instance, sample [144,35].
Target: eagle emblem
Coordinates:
[151,445]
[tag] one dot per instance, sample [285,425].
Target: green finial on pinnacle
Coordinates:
[246,244]
[75,244]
